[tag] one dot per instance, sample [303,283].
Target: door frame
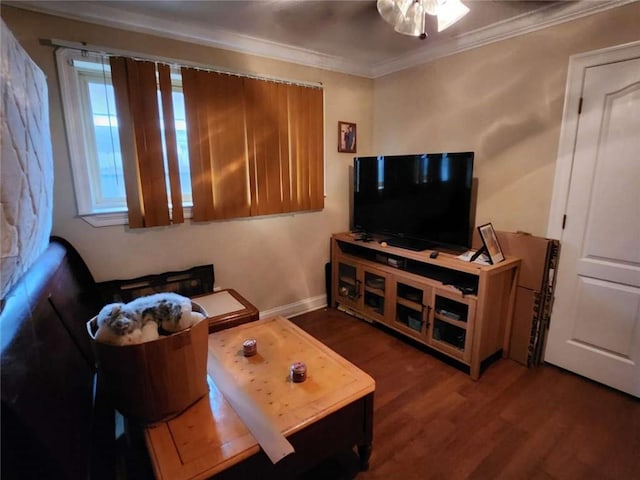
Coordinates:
[578,64]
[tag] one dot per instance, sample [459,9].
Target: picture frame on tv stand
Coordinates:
[490,243]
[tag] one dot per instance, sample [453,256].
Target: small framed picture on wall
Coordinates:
[347,140]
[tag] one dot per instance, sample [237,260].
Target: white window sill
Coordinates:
[109,219]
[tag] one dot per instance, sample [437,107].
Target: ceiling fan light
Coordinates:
[413,23]
[449,12]
[432,6]
[404,5]
[408,16]
[393,11]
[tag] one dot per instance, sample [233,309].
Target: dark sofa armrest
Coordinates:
[50,422]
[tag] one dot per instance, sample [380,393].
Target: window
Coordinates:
[244,146]
[100,120]
[92,134]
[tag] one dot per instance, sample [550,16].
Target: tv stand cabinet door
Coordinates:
[362,288]
[347,282]
[452,327]
[412,307]
[376,301]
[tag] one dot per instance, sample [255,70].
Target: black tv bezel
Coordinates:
[421,242]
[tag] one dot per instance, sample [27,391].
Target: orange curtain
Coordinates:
[268,139]
[255,146]
[307,148]
[214,108]
[135,88]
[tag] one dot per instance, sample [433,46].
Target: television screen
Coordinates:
[419,201]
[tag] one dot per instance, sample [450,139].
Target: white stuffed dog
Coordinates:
[139,321]
[118,325]
[172,312]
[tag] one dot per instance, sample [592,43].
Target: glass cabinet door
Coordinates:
[348,290]
[375,290]
[412,307]
[364,288]
[450,329]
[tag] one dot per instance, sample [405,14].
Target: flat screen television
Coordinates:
[418,201]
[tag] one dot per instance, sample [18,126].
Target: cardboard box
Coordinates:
[522,324]
[534,252]
[157,380]
[534,296]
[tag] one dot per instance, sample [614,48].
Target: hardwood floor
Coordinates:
[432,421]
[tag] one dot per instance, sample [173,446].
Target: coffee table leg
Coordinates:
[364,449]
[364,452]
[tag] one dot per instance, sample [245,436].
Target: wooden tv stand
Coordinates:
[457,308]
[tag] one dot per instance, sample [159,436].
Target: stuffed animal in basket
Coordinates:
[141,319]
[119,325]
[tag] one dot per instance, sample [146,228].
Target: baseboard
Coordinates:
[296,308]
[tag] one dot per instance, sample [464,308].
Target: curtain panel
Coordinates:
[136,86]
[255,146]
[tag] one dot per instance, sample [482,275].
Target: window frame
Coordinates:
[81,141]
[69,85]
[72,107]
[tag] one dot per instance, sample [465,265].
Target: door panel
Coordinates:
[606,316]
[609,235]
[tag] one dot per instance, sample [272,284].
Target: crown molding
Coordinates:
[520,25]
[212,37]
[219,38]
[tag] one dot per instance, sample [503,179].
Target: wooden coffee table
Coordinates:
[330,412]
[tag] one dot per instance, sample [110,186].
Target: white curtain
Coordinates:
[26,163]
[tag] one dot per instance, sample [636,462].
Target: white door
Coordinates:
[595,323]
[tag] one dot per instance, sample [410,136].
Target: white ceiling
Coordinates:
[346,36]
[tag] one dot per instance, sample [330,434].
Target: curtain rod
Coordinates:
[85,47]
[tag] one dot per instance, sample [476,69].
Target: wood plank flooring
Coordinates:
[432,421]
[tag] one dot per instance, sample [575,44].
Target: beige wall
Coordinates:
[504,101]
[273,261]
